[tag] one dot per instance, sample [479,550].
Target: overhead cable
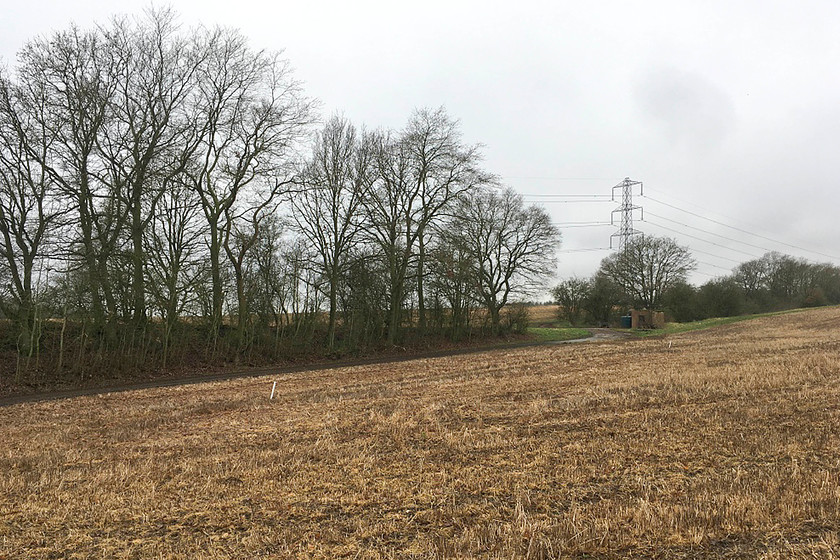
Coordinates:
[700,239]
[741,230]
[584,250]
[709,232]
[567,225]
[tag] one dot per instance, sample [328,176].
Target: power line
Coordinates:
[549,195]
[709,232]
[700,207]
[571,201]
[538,178]
[715,234]
[742,230]
[715,255]
[589,222]
[713,265]
[701,239]
[584,250]
[626,226]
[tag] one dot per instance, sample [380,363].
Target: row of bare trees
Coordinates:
[651,273]
[156,183]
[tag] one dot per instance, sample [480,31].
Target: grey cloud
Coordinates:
[687,107]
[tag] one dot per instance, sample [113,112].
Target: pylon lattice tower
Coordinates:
[625,229]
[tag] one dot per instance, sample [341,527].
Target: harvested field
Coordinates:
[542,315]
[722,444]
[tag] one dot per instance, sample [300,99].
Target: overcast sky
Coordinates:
[728,110]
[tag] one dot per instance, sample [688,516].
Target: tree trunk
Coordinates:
[495,319]
[85,223]
[421,303]
[332,319]
[395,312]
[138,280]
[216,281]
[244,314]
[26,323]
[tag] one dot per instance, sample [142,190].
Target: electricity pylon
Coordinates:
[625,230]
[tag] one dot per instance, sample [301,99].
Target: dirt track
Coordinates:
[598,335]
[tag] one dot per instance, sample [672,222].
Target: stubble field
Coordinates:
[722,444]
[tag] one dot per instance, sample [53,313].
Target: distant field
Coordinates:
[723,443]
[542,315]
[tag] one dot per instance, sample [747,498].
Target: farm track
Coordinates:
[598,335]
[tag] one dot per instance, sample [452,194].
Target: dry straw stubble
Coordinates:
[722,443]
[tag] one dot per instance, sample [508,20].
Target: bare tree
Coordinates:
[153,166]
[647,266]
[327,209]
[421,173]
[390,206]
[273,285]
[604,296]
[66,84]
[30,210]
[250,115]
[513,246]
[452,267]
[143,140]
[305,287]
[570,296]
[364,296]
[752,276]
[241,235]
[442,169]
[174,266]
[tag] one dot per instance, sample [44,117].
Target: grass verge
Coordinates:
[676,328]
[545,334]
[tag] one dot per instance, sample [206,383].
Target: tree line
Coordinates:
[165,195]
[651,273]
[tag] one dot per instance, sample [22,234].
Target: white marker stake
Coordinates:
[273,387]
